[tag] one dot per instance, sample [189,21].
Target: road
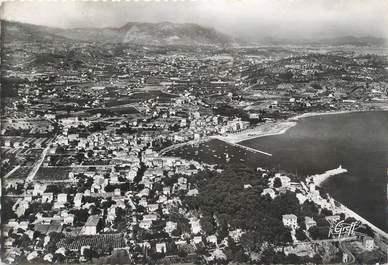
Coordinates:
[38,163]
[343,247]
[83,166]
[11,172]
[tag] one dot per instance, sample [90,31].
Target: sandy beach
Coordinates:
[350,213]
[312,114]
[271,128]
[267,129]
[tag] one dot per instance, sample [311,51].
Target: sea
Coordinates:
[357,141]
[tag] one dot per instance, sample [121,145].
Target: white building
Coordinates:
[195,226]
[161,247]
[368,243]
[310,222]
[62,198]
[332,218]
[90,227]
[152,207]
[150,217]
[47,197]
[78,200]
[170,226]
[270,192]
[145,224]
[290,220]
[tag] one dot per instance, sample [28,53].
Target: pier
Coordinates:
[245,147]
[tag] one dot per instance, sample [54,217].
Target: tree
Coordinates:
[326,212]
[58,258]
[235,252]
[176,232]
[309,209]
[248,241]
[316,259]
[300,235]
[25,242]
[51,247]
[182,253]
[322,222]
[293,259]
[277,183]
[284,204]
[80,215]
[319,232]
[207,224]
[268,256]
[342,216]
[285,237]
[90,253]
[365,229]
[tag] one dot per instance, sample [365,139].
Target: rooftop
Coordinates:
[92,220]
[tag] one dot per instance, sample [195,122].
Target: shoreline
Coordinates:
[313,114]
[267,129]
[280,127]
[275,128]
[350,213]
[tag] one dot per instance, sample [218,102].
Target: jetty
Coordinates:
[246,148]
[318,179]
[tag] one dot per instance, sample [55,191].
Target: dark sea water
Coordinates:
[357,141]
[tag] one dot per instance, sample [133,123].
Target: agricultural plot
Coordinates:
[104,241]
[114,111]
[53,173]
[61,160]
[20,174]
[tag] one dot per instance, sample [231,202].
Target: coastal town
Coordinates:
[88,172]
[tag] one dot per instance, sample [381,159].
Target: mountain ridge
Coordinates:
[164,33]
[169,33]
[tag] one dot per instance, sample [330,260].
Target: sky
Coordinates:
[239,18]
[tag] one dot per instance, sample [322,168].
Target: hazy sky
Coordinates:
[254,18]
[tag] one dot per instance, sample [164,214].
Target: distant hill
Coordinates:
[165,33]
[339,41]
[357,41]
[16,31]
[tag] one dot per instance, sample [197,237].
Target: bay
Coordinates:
[356,141]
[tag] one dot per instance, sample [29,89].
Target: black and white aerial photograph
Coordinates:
[194,132]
